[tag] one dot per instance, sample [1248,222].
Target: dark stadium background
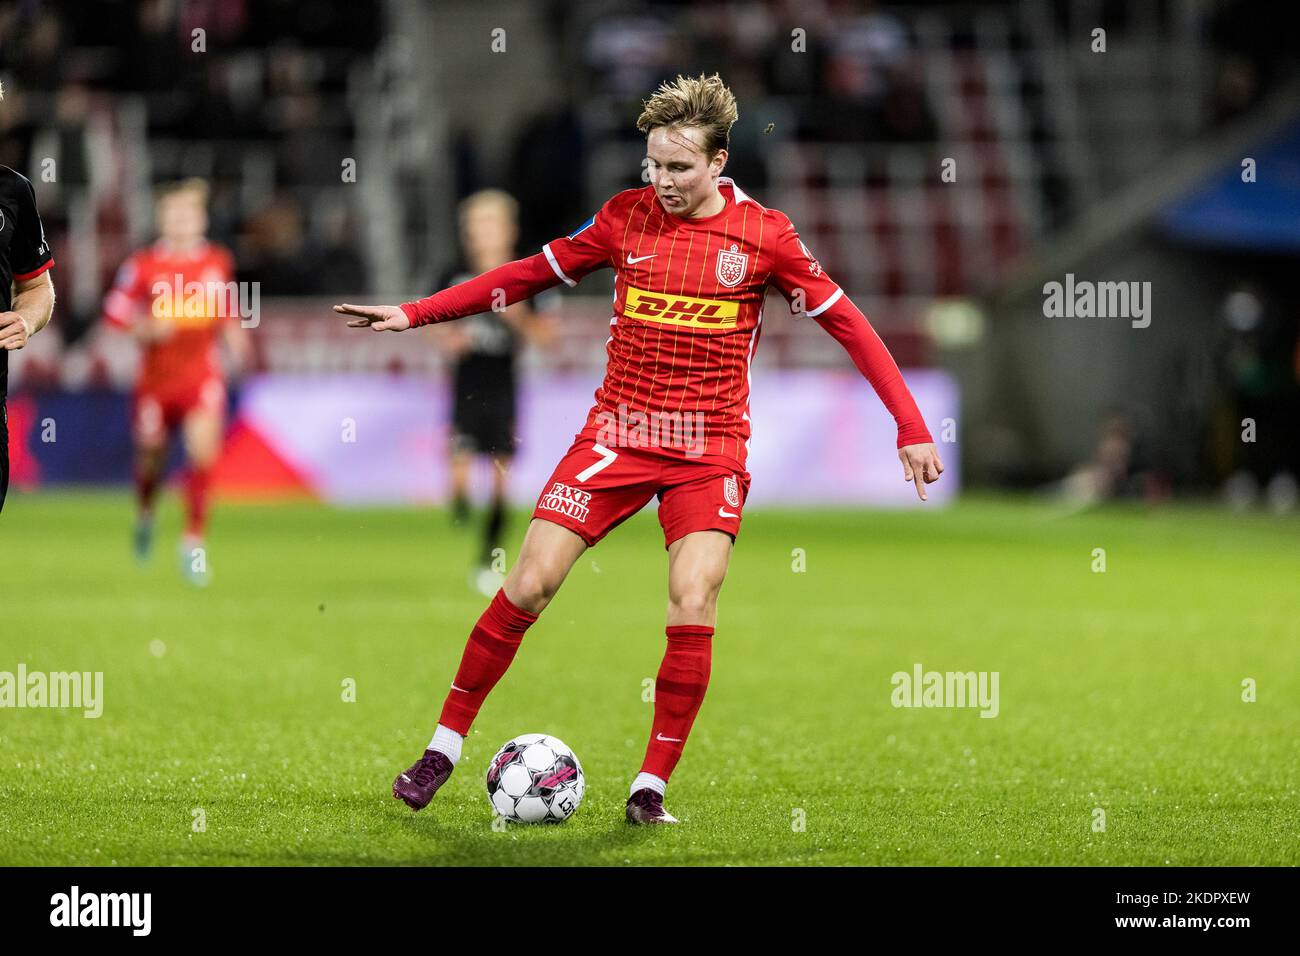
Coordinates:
[1107,165]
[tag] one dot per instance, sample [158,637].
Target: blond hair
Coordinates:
[193,184]
[490,197]
[703,101]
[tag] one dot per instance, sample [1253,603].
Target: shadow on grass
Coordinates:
[603,838]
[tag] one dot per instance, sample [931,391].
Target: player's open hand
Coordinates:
[921,465]
[14,331]
[381,318]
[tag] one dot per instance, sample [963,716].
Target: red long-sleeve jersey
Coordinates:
[163,286]
[688,313]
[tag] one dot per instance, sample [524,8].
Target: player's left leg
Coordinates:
[697,565]
[700,511]
[201,429]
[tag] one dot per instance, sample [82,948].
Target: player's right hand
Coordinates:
[921,465]
[14,331]
[381,318]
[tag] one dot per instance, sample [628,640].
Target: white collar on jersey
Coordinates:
[740,194]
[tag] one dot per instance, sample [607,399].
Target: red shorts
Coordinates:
[593,489]
[155,411]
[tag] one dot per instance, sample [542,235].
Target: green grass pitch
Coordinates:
[1119,691]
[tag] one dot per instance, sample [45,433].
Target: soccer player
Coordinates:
[483,417]
[178,325]
[26,291]
[693,256]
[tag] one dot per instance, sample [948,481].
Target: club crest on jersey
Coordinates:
[731,491]
[732,266]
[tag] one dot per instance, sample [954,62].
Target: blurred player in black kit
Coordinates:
[484,348]
[26,291]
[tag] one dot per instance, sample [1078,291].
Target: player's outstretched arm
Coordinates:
[800,278]
[491,291]
[846,323]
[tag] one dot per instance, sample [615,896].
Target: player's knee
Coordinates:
[531,587]
[691,603]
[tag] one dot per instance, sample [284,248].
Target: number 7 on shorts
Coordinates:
[606,459]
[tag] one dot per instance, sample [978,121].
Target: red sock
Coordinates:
[679,691]
[196,500]
[146,483]
[489,651]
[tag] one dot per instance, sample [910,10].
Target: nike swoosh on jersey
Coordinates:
[726,514]
[632,262]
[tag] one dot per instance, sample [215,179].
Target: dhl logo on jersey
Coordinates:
[680,310]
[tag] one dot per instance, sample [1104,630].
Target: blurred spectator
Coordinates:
[341,267]
[1119,467]
[630,53]
[1260,374]
[40,62]
[790,70]
[273,250]
[1252,60]
[872,84]
[548,178]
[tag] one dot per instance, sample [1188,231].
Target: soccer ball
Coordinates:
[535,779]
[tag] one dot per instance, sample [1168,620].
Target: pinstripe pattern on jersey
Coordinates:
[665,367]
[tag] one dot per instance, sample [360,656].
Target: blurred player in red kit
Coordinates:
[177,298]
[693,256]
